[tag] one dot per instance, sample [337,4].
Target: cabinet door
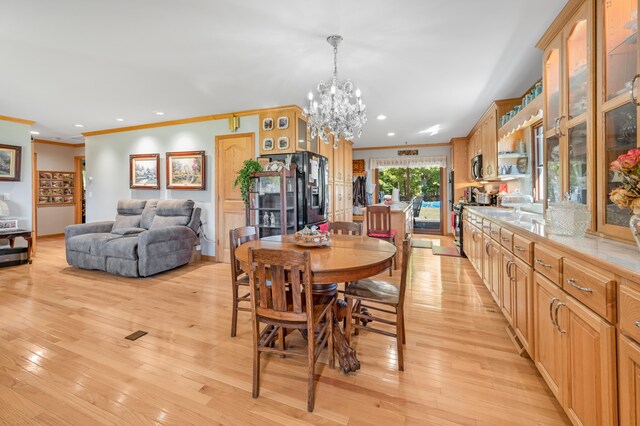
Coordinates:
[590,371]
[490,146]
[522,275]
[494,281]
[339,197]
[507,294]
[331,206]
[338,162]
[629,381]
[485,260]
[326,150]
[617,116]
[348,162]
[547,341]
[552,77]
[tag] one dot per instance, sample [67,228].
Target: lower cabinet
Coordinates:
[522,278]
[507,294]
[575,353]
[629,386]
[491,266]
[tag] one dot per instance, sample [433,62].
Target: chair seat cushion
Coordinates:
[90,243]
[382,235]
[374,290]
[127,231]
[123,248]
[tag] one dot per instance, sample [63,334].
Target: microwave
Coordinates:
[476,167]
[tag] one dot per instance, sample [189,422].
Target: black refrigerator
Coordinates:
[313,186]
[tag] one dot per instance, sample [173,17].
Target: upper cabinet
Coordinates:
[284,130]
[569,82]
[617,113]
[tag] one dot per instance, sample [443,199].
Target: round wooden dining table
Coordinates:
[347,258]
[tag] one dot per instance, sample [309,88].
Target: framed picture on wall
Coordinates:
[186,170]
[283,122]
[267,144]
[267,124]
[10,156]
[283,142]
[144,171]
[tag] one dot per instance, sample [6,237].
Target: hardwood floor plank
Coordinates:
[64,359]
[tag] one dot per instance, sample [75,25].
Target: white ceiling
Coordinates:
[421,62]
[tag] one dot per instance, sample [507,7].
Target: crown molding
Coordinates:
[421,145]
[62,144]
[189,120]
[16,120]
[561,20]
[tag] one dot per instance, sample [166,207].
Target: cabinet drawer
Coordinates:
[506,239]
[592,286]
[548,263]
[494,232]
[486,226]
[630,311]
[523,248]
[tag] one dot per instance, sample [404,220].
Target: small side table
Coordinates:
[12,234]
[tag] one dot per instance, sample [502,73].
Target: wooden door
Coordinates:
[590,372]
[507,294]
[231,151]
[523,303]
[629,381]
[547,340]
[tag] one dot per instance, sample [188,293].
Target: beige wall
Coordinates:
[53,219]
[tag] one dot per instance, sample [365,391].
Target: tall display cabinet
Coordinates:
[340,179]
[617,115]
[569,82]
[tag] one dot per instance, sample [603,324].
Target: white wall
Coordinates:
[107,165]
[20,203]
[422,152]
[53,219]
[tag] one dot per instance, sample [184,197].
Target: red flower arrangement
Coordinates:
[627,170]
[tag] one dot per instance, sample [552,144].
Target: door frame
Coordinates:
[79,188]
[34,200]
[219,231]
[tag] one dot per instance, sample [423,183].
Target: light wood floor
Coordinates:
[64,359]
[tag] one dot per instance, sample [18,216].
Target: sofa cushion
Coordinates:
[126,222]
[172,213]
[128,231]
[131,207]
[124,248]
[90,243]
[148,214]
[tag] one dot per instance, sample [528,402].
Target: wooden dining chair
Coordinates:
[238,277]
[346,228]
[384,293]
[279,308]
[379,226]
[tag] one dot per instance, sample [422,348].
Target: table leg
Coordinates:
[29,248]
[12,241]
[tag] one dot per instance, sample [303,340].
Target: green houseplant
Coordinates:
[249,167]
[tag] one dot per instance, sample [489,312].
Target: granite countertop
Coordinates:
[399,206]
[623,257]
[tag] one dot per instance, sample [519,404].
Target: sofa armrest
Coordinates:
[162,235]
[88,228]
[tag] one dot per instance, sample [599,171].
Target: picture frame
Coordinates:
[10,158]
[267,124]
[283,122]
[283,142]
[144,171]
[186,170]
[267,144]
[8,224]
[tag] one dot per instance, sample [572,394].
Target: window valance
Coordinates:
[408,162]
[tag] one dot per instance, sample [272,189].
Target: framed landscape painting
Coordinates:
[144,171]
[186,170]
[10,156]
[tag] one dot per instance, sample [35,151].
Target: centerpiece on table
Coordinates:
[312,237]
[626,169]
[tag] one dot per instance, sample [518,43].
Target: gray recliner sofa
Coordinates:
[147,237]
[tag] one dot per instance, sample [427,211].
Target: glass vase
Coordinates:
[634,224]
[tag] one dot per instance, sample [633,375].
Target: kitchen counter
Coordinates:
[399,206]
[621,257]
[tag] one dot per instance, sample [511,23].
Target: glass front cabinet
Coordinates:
[272,203]
[568,96]
[617,114]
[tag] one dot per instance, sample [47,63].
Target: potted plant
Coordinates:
[249,167]
[626,169]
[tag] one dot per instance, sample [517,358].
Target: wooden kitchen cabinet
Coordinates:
[522,289]
[491,267]
[340,172]
[629,381]
[569,85]
[548,338]
[617,111]
[507,294]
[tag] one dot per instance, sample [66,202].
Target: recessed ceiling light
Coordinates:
[79,125]
[33,132]
[381,117]
[120,119]
[159,113]
[391,134]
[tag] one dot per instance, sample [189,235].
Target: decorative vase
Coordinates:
[634,224]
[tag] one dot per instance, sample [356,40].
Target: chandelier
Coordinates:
[334,113]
